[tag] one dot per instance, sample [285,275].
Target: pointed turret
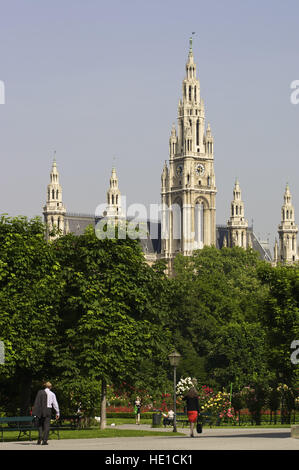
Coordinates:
[164,177]
[237,225]
[172,142]
[113,196]
[54,210]
[275,252]
[209,141]
[287,231]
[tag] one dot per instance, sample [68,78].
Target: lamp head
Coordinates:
[174,358]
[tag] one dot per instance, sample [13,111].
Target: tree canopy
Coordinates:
[85,313]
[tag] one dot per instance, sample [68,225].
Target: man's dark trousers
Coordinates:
[44,426]
[43,413]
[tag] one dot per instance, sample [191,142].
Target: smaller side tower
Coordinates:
[113,197]
[54,210]
[287,231]
[237,225]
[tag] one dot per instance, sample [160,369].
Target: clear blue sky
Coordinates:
[96,79]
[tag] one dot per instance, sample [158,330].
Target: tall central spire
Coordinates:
[190,56]
[189,182]
[190,43]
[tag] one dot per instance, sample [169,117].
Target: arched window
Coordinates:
[237,211]
[57,193]
[189,93]
[112,199]
[199,224]
[117,199]
[197,132]
[177,224]
[195,93]
[53,194]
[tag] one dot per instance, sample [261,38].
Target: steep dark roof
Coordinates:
[77,223]
[151,244]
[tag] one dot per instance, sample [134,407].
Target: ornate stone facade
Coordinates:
[188,190]
[188,195]
[54,210]
[237,224]
[287,251]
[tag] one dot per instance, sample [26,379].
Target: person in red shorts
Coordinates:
[192,404]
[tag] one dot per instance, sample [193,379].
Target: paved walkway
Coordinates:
[210,439]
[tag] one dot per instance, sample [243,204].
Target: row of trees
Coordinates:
[85,313]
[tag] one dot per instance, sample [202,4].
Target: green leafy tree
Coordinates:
[239,356]
[211,290]
[114,312]
[30,286]
[280,318]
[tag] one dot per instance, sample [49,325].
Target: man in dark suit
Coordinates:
[42,409]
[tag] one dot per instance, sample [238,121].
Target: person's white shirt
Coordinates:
[52,401]
[170,414]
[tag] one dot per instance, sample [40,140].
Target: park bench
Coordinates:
[65,423]
[26,424]
[182,418]
[23,424]
[204,418]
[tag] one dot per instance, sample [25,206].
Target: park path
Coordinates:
[210,439]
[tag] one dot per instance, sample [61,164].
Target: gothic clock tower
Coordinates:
[188,191]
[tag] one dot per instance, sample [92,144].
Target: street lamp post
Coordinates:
[174,359]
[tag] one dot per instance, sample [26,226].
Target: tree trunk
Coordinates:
[103,404]
[25,395]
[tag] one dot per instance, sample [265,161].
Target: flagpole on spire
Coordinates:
[190,42]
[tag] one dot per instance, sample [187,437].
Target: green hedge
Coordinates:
[112,414]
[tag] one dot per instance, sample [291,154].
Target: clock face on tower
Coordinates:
[179,170]
[200,169]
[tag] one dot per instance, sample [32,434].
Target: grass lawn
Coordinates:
[96,432]
[90,434]
[118,421]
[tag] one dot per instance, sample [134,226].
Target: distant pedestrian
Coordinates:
[192,405]
[168,418]
[42,409]
[137,409]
